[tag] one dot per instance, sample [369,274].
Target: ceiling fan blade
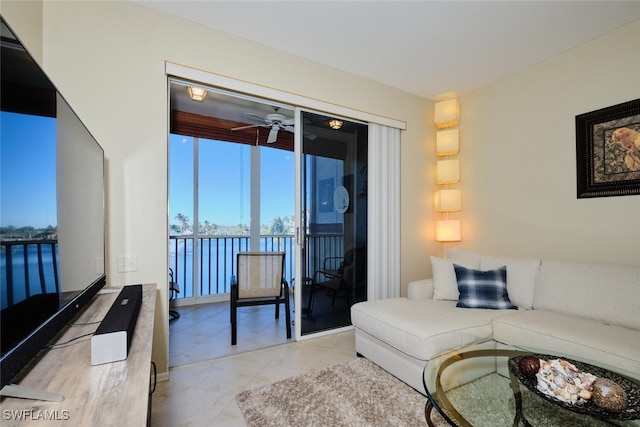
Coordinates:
[255,116]
[273,135]
[289,128]
[249,126]
[310,136]
[288,122]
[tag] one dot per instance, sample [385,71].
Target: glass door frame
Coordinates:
[175,70]
[301,222]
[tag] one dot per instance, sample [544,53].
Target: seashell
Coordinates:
[585,394]
[559,381]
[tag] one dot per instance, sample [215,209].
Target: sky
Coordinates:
[27,170]
[28,177]
[224,184]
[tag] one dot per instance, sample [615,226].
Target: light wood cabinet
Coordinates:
[112,394]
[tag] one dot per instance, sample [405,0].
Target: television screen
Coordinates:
[51,209]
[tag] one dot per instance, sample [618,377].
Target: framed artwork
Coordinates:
[608,151]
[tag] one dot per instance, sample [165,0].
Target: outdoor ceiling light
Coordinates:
[196,93]
[335,124]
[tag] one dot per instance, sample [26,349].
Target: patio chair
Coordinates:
[259,280]
[339,275]
[174,290]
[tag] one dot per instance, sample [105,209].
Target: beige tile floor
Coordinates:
[203,332]
[201,391]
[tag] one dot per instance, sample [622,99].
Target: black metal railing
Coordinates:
[31,267]
[217,257]
[28,267]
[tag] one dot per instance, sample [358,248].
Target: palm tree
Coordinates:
[277,226]
[184,223]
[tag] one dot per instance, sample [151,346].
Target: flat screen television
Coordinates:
[51,210]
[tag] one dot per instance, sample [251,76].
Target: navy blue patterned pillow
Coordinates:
[483,289]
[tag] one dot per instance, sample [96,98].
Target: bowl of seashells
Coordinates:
[578,386]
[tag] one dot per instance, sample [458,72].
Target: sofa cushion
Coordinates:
[522,273]
[482,289]
[609,294]
[445,285]
[462,254]
[423,328]
[582,338]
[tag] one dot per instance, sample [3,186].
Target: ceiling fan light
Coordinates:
[335,124]
[196,93]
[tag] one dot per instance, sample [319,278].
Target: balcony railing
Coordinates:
[28,267]
[31,267]
[217,257]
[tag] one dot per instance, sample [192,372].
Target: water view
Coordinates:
[31,272]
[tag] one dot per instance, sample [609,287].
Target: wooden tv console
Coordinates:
[112,394]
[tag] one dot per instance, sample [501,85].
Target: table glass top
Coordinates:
[474,387]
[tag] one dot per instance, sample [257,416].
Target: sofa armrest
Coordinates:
[420,289]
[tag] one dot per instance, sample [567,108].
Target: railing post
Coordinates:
[8,256]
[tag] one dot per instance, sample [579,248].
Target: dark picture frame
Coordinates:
[608,151]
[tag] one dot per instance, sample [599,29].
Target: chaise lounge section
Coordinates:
[586,310]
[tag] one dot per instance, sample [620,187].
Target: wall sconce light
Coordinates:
[447,200]
[447,142]
[196,93]
[446,113]
[448,230]
[335,124]
[447,170]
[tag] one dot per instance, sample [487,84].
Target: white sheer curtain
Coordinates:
[383,240]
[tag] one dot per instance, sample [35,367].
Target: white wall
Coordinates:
[107,59]
[517,148]
[518,157]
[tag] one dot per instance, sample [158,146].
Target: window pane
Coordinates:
[181,211]
[224,188]
[277,178]
[181,185]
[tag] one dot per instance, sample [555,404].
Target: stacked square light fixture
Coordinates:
[447,170]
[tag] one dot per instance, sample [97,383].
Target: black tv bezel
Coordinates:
[15,360]
[20,355]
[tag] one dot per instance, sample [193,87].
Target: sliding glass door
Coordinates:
[232,189]
[332,232]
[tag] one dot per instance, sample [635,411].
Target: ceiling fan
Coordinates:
[274,121]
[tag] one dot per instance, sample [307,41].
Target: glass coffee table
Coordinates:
[480,386]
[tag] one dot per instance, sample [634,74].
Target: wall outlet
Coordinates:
[127,263]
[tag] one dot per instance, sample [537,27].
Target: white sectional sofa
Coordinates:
[587,310]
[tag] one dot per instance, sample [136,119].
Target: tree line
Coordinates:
[278,226]
[28,233]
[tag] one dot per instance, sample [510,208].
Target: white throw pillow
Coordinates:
[445,285]
[522,274]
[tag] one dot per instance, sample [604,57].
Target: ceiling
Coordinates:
[434,49]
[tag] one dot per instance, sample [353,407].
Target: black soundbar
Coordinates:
[112,339]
